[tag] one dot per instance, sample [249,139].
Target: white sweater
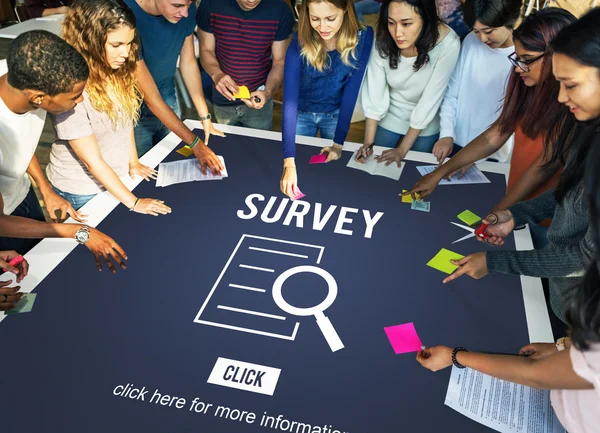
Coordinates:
[402,98]
[476,93]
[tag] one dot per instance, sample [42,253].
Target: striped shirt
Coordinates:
[244,38]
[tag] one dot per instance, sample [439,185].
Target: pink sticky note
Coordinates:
[403,338]
[318,159]
[299,195]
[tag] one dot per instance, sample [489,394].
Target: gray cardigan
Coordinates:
[563,261]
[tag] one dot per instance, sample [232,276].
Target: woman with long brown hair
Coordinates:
[324,67]
[96,146]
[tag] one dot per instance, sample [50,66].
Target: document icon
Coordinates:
[242,297]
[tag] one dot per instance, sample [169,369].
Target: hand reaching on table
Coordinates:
[333,152]
[435,358]
[424,186]
[9,296]
[139,169]
[289,178]
[391,155]
[209,129]
[20,270]
[103,246]
[151,206]
[475,266]
[364,152]
[208,159]
[442,149]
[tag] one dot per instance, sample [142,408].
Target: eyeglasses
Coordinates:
[523,64]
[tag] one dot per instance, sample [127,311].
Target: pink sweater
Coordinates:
[579,410]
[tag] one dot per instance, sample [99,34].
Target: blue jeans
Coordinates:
[28,208]
[366,7]
[309,123]
[386,138]
[242,115]
[76,200]
[150,130]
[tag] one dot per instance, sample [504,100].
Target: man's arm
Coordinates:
[58,208]
[191,75]
[275,77]
[223,82]
[98,243]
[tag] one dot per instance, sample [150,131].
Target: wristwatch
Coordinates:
[203,118]
[82,235]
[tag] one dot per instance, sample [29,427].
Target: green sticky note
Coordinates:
[24,305]
[441,261]
[468,217]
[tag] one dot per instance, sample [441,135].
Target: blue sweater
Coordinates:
[307,89]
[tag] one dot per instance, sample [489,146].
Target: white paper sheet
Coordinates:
[371,166]
[187,170]
[500,405]
[474,175]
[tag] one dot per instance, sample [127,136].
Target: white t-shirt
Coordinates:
[19,137]
[579,410]
[403,98]
[476,93]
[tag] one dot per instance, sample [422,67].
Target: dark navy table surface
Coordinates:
[89,332]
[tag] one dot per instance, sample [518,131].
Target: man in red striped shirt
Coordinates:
[243,43]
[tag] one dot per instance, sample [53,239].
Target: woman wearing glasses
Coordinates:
[571,368]
[531,111]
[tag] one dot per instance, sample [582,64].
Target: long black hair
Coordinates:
[386,45]
[492,13]
[583,308]
[581,42]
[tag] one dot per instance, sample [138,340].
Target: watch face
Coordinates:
[82,236]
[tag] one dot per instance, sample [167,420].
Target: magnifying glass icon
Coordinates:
[325,325]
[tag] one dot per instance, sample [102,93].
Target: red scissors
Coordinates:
[479,232]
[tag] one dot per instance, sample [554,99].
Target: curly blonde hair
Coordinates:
[86,26]
[311,44]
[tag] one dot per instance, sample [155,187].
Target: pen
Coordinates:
[369,148]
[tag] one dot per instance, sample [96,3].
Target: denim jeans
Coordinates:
[76,200]
[150,130]
[309,123]
[365,7]
[28,208]
[242,115]
[386,138]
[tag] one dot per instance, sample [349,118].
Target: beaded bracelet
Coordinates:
[454,352]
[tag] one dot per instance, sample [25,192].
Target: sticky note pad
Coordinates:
[318,159]
[403,338]
[185,151]
[244,93]
[441,261]
[406,198]
[24,305]
[468,217]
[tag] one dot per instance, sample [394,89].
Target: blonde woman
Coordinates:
[324,67]
[95,146]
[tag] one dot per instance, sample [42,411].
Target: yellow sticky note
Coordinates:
[441,261]
[185,151]
[244,93]
[468,217]
[408,198]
